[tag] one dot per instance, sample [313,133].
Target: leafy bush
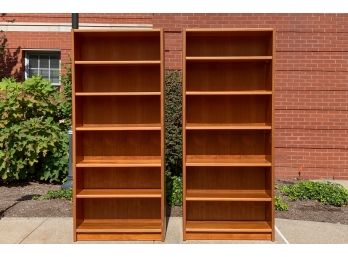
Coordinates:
[65,107]
[280,204]
[324,192]
[174,190]
[173,122]
[56,194]
[33,132]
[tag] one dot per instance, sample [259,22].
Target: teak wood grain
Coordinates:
[118,193]
[118,79]
[118,135]
[227,195]
[120,226]
[228,121]
[119,177]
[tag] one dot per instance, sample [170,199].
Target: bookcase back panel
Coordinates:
[118,78]
[233,178]
[228,76]
[121,208]
[117,46]
[233,142]
[229,44]
[119,178]
[118,143]
[224,211]
[119,109]
[228,109]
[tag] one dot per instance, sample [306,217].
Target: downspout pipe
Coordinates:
[68,183]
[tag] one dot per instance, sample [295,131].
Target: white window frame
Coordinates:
[28,52]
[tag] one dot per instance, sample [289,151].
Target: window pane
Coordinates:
[44,61]
[33,72]
[44,73]
[55,76]
[33,61]
[45,64]
[54,62]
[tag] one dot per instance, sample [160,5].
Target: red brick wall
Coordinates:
[311,77]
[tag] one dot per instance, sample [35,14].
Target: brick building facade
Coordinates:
[311,74]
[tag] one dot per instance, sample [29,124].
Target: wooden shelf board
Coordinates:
[149,62]
[119,193]
[119,161]
[120,226]
[228,126]
[229,226]
[228,160]
[227,195]
[116,93]
[240,92]
[228,58]
[116,127]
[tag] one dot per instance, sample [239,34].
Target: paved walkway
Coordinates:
[59,230]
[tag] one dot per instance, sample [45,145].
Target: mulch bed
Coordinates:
[312,210]
[16,201]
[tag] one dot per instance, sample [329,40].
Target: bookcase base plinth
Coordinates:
[119,236]
[227,236]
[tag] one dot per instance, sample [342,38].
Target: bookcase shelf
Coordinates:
[150,62]
[119,161]
[119,193]
[118,135]
[115,127]
[227,195]
[228,160]
[224,126]
[228,134]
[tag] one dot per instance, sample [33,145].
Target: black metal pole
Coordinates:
[68,183]
[75,20]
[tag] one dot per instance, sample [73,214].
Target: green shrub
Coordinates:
[324,192]
[280,204]
[174,190]
[56,194]
[33,132]
[173,122]
[65,106]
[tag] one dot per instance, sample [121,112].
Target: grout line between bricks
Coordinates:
[33,230]
[281,235]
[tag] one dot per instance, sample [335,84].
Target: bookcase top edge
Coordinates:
[115,30]
[229,30]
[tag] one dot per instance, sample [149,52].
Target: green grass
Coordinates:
[324,192]
[56,194]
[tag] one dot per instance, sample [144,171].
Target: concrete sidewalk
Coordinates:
[59,230]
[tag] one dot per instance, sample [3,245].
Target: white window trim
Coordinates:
[26,62]
[64,26]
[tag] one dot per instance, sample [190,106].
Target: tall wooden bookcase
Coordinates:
[118,135]
[227,129]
